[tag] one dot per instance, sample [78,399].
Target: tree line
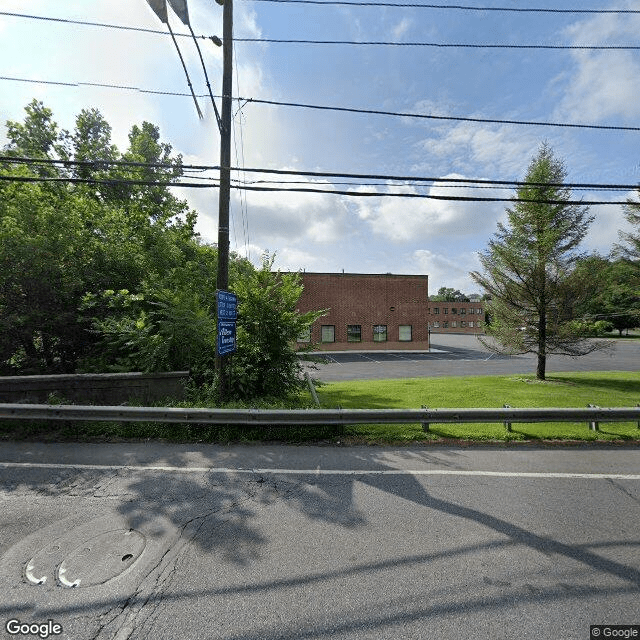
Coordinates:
[101,268]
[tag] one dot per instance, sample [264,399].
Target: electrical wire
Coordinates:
[449,45]
[356,194]
[592,186]
[457,45]
[352,3]
[303,105]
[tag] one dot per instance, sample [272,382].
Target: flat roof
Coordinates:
[368,275]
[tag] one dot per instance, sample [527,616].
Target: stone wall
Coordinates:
[109,389]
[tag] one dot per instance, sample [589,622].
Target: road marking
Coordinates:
[325,472]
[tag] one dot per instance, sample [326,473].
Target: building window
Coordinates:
[354,333]
[463,312]
[478,311]
[478,324]
[463,324]
[454,311]
[305,336]
[436,325]
[404,333]
[445,325]
[454,325]
[471,325]
[379,332]
[437,311]
[445,311]
[328,333]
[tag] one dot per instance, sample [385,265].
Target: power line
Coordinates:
[456,45]
[98,163]
[352,3]
[94,24]
[302,105]
[355,194]
[449,45]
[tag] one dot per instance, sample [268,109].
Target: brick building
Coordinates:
[367,311]
[456,317]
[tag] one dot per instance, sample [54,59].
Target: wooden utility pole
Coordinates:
[222,282]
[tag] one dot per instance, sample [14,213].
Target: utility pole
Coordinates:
[222,282]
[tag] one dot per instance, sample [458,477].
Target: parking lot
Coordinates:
[463,355]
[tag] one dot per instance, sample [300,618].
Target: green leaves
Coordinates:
[528,268]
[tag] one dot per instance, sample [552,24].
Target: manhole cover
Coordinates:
[97,560]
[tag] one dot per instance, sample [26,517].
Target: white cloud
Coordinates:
[401,28]
[451,270]
[603,84]
[495,150]
[409,219]
[609,220]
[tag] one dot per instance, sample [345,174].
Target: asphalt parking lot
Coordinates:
[463,355]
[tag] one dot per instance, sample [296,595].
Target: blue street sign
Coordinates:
[227,305]
[226,337]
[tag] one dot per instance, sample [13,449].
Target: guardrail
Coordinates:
[278,417]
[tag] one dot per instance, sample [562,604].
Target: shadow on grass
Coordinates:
[631,386]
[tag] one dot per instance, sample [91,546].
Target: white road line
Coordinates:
[326,472]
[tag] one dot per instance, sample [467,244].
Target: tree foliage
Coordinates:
[266,362]
[101,275]
[614,292]
[528,268]
[448,294]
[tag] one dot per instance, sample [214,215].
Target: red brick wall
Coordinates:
[460,317]
[368,300]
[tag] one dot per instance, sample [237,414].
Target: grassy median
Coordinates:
[604,389]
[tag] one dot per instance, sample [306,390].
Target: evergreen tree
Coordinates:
[528,268]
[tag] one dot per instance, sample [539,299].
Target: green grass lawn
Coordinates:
[608,389]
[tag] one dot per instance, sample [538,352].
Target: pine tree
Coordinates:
[528,269]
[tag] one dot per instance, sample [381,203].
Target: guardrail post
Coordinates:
[507,424]
[593,425]
[638,405]
[425,425]
[312,389]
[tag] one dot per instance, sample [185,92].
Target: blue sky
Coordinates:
[329,232]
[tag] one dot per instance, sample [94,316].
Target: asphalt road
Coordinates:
[258,543]
[464,355]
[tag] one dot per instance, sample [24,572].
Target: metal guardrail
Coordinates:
[277,417]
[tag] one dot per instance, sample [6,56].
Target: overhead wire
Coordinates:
[302,105]
[448,45]
[358,194]
[592,186]
[580,47]
[414,5]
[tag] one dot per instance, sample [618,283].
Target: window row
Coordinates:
[354,333]
[454,324]
[456,311]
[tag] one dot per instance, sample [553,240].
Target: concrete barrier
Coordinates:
[93,388]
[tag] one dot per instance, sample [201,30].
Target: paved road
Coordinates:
[462,355]
[266,542]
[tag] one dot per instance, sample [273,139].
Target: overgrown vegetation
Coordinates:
[101,268]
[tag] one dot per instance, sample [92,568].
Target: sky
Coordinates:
[331,233]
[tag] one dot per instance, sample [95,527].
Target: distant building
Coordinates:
[456,317]
[367,311]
